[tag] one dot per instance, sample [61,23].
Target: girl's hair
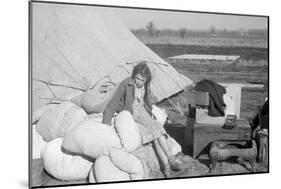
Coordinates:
[142,68]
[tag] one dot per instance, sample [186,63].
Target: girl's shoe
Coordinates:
[175,163]
[168,173]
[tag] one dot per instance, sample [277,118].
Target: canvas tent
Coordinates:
[76,47]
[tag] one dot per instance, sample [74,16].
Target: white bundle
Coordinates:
[56,120]
[106,171]
[173,145]
[128,131]
[91,138]
[128,163]
[93,100]
[64,166]
[91,177]
[38,144]
[160,114]
[99,117]
[39,112]
[72,95]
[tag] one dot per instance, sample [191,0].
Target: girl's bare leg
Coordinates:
[175,163]
[164,163]
[161,153]
[163,143]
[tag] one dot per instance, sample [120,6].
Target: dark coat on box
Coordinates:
[216,92]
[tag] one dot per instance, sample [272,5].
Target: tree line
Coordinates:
[152,31]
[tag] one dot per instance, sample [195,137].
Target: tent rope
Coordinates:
[54,99]
[106,76]
[178,108]
[59,85]
[51,90]
[157,63]
[81,78]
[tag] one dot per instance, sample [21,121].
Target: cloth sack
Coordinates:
[128,131]
[127,162]
[173,145]
[56,120]
[148,158]
[91,177]
[94,100]
[38,144]
[106,171]
[160,114]
[72,95]
[91,138]
[39,112]
[98,117]
[62,165]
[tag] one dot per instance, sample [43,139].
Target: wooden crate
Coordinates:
[201,98]
[198,136]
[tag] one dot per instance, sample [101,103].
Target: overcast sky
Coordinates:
[136,18]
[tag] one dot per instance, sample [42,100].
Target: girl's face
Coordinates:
[139,80]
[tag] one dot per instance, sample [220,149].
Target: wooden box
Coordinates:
[199,136]
[201,98]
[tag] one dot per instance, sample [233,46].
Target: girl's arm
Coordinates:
[149,101]
[113,104]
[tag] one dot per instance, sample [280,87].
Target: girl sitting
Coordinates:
[134,95]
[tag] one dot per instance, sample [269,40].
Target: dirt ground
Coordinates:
[199,168]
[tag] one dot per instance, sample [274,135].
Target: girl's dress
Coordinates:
[150,129]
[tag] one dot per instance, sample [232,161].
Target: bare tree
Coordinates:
[212,30]
[151,28]
[183,32]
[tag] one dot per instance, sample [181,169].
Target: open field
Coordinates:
[219,38]
[252,67]
[208,41]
